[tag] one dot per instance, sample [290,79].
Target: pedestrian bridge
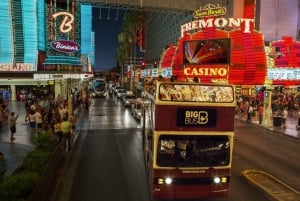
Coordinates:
[176,5]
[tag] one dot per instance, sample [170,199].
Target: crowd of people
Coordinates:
[283,105]
[46,114]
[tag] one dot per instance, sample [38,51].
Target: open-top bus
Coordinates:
[188,139]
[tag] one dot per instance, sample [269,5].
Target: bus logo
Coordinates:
[196,117]
[191,117]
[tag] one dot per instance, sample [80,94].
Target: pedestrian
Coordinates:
[260,113]
[39,120]
[5,115]
[298,124]
[32,121]
[284,116]
[57,130]
[12,125]
[1,118]
[66,128]
[250,113]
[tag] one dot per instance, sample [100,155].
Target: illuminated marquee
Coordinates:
[210,10]
[208,71]
[65,46]
[219,23]
[16,67]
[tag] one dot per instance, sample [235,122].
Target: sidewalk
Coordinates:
[16,150]
[289,131]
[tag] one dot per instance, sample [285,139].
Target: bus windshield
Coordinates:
[193,150]
[99,85]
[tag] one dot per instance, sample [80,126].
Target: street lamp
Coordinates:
[268,102]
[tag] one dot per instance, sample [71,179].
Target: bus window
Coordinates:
[193,151]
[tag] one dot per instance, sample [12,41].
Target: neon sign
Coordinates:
[219,23]
[208,71]
[210,10]
[65,46]
[66,23]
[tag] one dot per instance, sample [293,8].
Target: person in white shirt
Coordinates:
[250,113]
[284,116]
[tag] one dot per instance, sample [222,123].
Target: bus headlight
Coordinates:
[218,180]
[166,180]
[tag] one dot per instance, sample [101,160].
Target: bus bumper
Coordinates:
[190,192]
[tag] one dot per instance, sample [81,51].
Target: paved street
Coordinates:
[15,151]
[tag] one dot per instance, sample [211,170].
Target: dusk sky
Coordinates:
[106,36]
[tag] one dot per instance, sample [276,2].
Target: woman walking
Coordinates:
[12,125]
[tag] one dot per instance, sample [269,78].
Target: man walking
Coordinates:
[66,128]
[12,125]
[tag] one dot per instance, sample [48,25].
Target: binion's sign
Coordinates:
[65,46]
[65,26]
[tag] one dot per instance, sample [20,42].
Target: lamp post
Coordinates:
[268,102]
[70,107]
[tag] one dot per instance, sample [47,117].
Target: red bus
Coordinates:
[188,135]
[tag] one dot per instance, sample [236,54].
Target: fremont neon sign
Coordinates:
[219,23]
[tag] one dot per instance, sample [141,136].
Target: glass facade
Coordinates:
[6,39]
[86,30]
[29,21]
[41,25]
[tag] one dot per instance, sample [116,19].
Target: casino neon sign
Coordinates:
[212,12]
[66,23]
[218,23]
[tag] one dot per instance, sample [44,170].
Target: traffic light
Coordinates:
[155,64]
[143,64]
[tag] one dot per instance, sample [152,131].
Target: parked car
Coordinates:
[128,99]
[116,88]
[120,93]
[137,109]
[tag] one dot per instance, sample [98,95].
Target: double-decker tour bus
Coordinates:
[188,139]
[99,88]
